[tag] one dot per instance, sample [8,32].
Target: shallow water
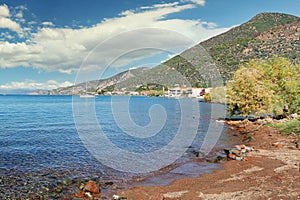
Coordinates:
[38,136]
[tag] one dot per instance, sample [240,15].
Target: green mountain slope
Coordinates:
[264,36]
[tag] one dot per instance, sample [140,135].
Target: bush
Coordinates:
[217,95]
[291,126]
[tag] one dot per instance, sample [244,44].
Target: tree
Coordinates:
[248,92]
[284,78]
[265,87]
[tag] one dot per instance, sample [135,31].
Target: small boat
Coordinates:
[86,95]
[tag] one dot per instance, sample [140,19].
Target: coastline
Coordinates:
[272,171]
[179,170]
[272,168]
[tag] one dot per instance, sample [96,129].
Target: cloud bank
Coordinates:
[33,85]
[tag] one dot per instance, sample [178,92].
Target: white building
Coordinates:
[175,92]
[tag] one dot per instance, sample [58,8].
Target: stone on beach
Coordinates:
[117,197]
[239,152]
[249,139]
[277,145]
[92,186]
[294,116]
[81,194]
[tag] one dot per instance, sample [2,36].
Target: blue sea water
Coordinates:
[38,133]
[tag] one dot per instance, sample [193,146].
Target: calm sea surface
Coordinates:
[38,133]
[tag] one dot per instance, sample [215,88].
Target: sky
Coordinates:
[56,43]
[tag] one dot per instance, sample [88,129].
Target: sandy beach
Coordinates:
[271,171]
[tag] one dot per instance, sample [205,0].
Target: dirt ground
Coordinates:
[272,171]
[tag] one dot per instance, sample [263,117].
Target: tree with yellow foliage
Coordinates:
[265,87]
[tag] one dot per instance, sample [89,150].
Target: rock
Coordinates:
[216,160]
[92,186]
[268,120]
[239,152]
[294,116]
[238,158]
[65,182]
[81,194]
[58,189]
[114,187]
[277,145]
[238,147]
[81,187]
[89,195]
[248,149]
[297,144]
[236,152]
[109,183]
[248,139]
[232,156]
[117,197]
[233,123]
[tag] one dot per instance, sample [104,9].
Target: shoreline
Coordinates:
[47,183]
[180,170]
[271,171]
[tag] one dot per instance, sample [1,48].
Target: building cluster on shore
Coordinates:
[177,91]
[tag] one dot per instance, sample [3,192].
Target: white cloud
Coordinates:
[6,22]
[19,15]
[47,24]
[4,11]
[21,7]
[31,85]
[198,2]
[32,22]
[210,24]
[9,24]
[64,49]
[160,5]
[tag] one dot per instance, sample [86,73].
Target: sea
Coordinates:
[47,139]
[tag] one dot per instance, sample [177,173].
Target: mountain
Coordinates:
[264,36]
[95,84]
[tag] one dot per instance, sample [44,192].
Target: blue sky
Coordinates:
[46,44]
